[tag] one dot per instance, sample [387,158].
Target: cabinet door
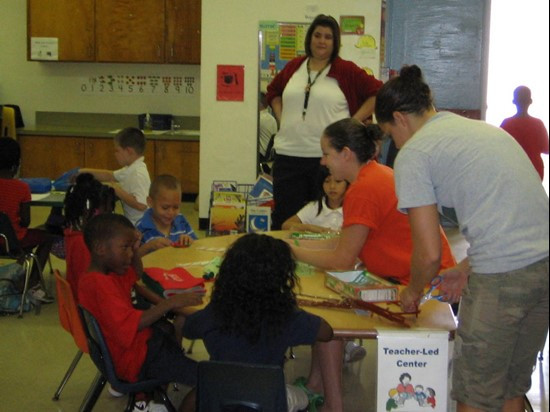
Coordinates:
[180,159]
[183,31]
[100,154]
[49,156]
[70,21]
[130,31]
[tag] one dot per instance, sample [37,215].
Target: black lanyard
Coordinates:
[308,87]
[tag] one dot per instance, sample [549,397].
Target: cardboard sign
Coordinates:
[413,371]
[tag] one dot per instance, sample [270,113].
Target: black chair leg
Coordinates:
[67,375]
[165,400]
[93,393]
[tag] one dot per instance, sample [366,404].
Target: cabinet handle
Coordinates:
[172,51]
[158,50]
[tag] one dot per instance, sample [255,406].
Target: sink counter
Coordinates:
[65,141]
[102,133]
[105,125]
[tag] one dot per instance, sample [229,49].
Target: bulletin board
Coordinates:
[279,43]
[361,34]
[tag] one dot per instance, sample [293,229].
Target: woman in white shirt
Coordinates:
[311,92]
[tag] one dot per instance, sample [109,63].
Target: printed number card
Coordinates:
[413,371]
[150,84]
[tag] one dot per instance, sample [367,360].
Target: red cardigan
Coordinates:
[354,82]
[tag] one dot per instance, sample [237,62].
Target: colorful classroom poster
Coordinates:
[412,371]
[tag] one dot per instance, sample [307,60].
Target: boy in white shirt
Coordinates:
[132,181]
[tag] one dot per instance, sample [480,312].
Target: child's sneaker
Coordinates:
[314,399]
[353,352]
[40,295]
[296,399]
[157,407]
[141,406]
[114,393]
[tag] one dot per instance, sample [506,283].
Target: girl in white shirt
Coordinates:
[325,213]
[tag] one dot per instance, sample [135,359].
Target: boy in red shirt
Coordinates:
[140,348]
[15,203]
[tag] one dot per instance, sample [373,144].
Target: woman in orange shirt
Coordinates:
[374,233]
[374,230]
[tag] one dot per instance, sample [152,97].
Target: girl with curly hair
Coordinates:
[253,316]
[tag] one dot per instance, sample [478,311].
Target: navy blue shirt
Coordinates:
[301,329]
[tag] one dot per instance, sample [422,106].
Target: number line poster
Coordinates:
[119,84]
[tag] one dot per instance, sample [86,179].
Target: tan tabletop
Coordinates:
[345,322]
[51,199]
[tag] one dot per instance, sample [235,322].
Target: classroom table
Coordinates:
[51,199]
[346,323]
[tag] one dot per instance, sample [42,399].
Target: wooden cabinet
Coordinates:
[49,156]
[72,22]
[130,31]
[180,159]
[100,154]
[183,31]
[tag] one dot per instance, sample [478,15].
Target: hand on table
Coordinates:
[409,300]
[183,241]
[158,243]
[181,300]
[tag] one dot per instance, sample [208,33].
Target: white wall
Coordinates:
[230,36]
[51,86]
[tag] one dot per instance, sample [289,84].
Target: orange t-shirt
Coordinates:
[371,201]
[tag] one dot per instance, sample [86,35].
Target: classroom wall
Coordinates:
[51,86]
[230,36]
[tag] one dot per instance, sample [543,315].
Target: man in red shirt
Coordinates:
[529,131]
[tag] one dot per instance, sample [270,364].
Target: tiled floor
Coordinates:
[36,352]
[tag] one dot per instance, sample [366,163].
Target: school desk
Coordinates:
[346,323]
[50,199]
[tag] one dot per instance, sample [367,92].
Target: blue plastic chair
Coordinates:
[240,387]
[102,359]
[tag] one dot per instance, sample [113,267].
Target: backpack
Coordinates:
[12,279]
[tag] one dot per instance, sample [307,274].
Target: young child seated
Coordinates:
[15,203]
[84,200]
[131,182]
[140,348]
[253,316]
[325,213]
[162,224]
